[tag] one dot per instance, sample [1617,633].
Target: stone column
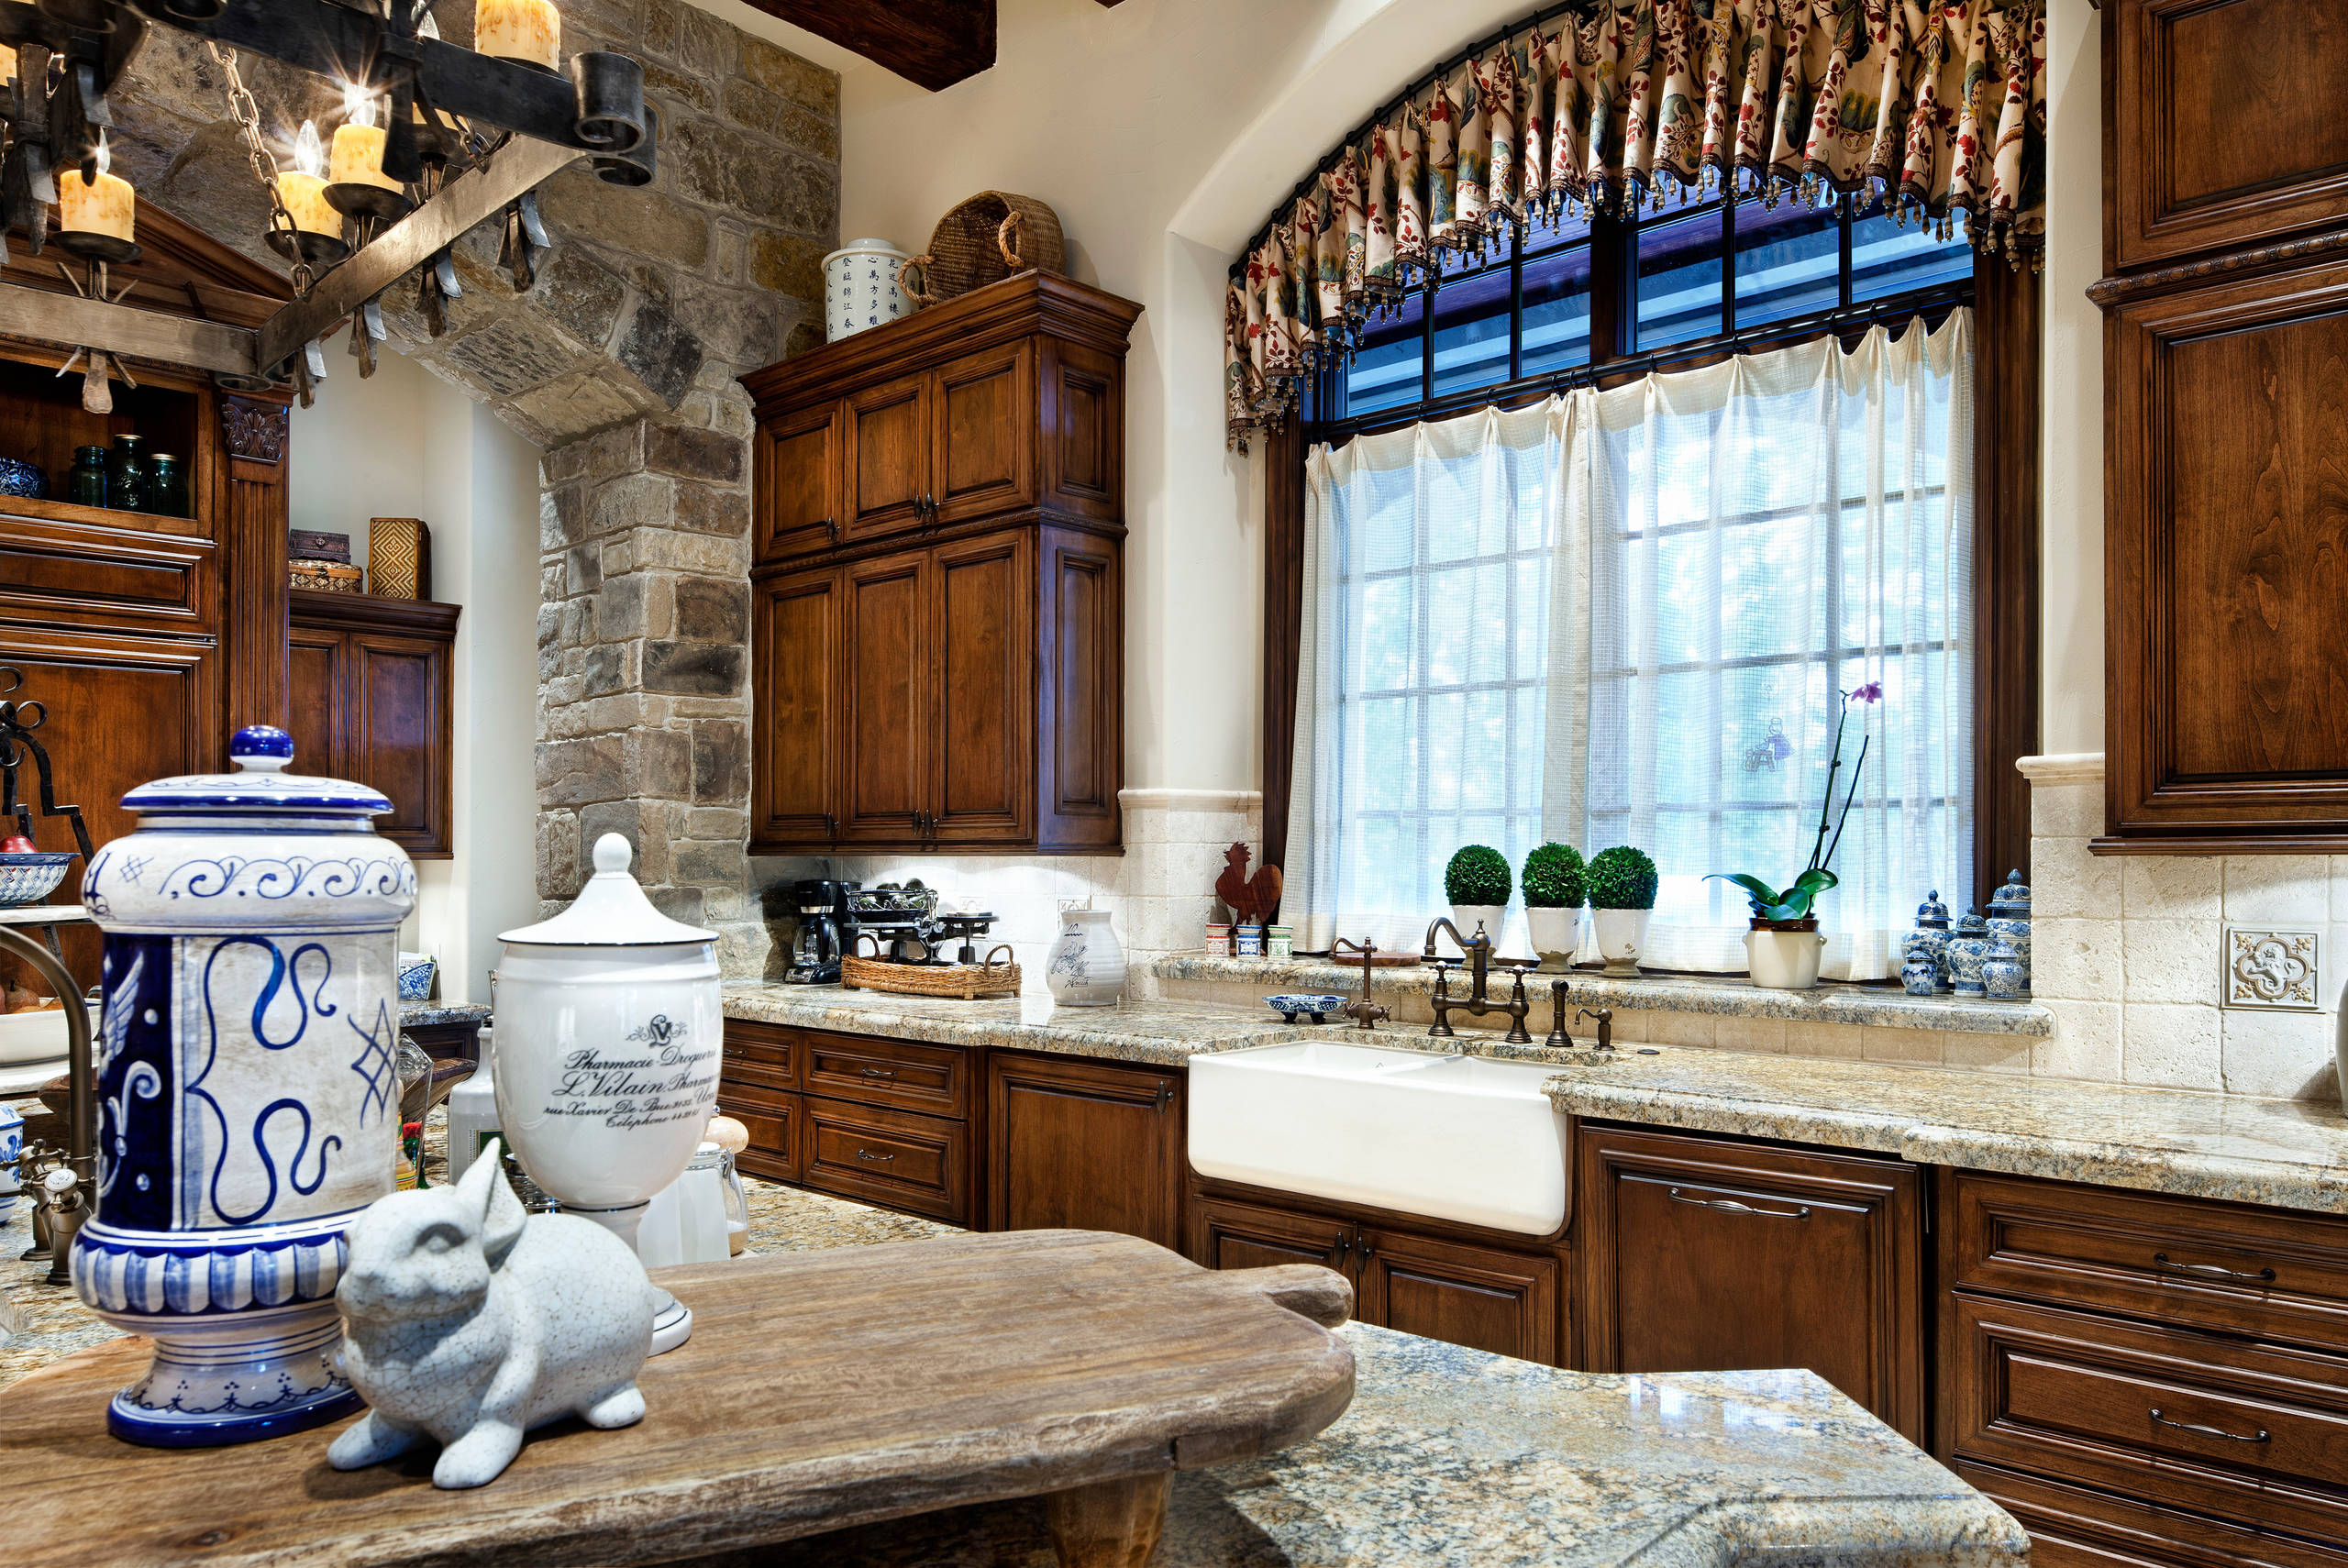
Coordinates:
[644,696]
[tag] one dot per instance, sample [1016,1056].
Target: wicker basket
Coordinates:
[985,240]
[324,577]
[969,981]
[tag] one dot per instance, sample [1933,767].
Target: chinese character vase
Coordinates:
[609,1023]
[248,1102]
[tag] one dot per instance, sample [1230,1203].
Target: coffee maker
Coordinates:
[824,932]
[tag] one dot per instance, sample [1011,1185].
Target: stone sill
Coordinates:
[1726,995]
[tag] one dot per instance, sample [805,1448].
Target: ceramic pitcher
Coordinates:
[248,1103]
[1087,967]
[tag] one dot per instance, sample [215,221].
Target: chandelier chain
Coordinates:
[247,118]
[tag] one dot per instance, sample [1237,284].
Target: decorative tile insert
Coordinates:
[2268,969]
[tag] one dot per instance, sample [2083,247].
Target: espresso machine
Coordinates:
[823,933]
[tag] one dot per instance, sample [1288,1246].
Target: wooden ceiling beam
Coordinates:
[933,43]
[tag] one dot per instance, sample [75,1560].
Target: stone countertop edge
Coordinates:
[1830,1002]
[416,1013]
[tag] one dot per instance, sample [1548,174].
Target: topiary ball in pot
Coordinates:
[1555,890]
[1621,897]
[1478,884]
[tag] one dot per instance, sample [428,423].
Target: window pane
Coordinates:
[1385,374]
[1471,330]
[1557,309]
[1679,279]
[1887,257]
[1788,257]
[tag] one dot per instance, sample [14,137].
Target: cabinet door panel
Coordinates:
[983,458]
[314,715]
[2071,1527]
[890,686]
[2202,160]
[1084,1145]
[1704,1254]
[888,455]
[1082,705]
[777,1125]
[984,789]
[1085,433]
[795,643]
[1225,1234]
[399,736]
[798,479]
[1480,1296]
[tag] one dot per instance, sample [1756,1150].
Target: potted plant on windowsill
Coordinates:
[1555,890]
[1784,945]
[1622,898]
[1477,883]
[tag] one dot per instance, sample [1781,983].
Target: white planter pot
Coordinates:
[1087,967]
[1784,960]
[1492,917]
[1556,933]
[860,288]
[1622,937]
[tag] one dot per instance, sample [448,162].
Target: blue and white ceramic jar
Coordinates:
[1932,935]
[2003,976]
[1919,976]
[860,288]
[2010,919]
[247,1089]
[1968,950]
[12,1143]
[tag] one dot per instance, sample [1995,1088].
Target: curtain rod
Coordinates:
[1442,73]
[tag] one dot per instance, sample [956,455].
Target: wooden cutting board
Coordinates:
[819,1389]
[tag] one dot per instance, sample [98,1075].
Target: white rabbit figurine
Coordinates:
[469,1321]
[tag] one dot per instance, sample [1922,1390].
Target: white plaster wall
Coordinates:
[404,444]
[2071,436]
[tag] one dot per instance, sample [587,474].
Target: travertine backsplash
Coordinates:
[1160,892]
[2125,951]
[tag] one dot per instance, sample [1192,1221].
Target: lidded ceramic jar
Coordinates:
[2004,978]
[247,1087]
[1931,937]
[1968,950]
[609,1025]
[2010,919]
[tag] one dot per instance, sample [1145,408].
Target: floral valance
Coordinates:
[1937,106]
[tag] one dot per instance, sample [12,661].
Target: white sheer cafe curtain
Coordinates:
[1622,616]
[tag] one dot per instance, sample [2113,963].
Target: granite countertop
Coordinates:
[414,1014]
[1727,996]
[1450,1456]
[2288,1154]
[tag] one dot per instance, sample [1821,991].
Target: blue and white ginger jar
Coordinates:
[2003,976]
[2010,919]
[248,1096]
[1968,950]
[12,1143]
[1919,976]
[1930,936]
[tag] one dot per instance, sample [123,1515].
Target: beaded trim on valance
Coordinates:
[1937,106]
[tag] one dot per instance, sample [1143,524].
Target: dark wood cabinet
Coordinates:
[939,570]
[370,679]
[1702,1254]
[1084,1145]
[1501,1300]
[2226,319]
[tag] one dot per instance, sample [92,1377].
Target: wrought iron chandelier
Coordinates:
[435,138]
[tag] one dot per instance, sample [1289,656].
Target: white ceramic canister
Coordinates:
[860,288]
[609,1026]
[1087,967]
[248,1096]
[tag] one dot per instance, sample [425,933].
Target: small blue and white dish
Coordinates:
[1316,1009]
[19,477]
[415,975]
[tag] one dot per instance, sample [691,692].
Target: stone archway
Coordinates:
[619,362]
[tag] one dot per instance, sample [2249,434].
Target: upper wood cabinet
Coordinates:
[371,684]
[2226,525]
[938,641]
[2225,125]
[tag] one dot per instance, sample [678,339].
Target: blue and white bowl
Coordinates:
[1292,1008]
[30,878]
[415,975]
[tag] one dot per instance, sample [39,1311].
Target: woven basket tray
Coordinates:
[985,240]
[969,981]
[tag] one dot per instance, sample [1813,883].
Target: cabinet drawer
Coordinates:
[777,1124]
[2254,1432]
[915,1163]
[2071,1527]
[934,1079]
[2258,1272]
[766,1055]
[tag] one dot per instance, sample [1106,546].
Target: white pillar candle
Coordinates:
[106,206]
[302,187]
[519,29]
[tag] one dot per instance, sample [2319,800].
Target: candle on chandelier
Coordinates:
[527,31]
[357,156]
[105,205]
[302,187]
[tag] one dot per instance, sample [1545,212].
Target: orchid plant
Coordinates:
[1795,899]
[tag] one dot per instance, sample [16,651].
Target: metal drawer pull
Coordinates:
[880,1072]
[1731,1205]
[2211,1271]
[877,1159]
[2208,1431]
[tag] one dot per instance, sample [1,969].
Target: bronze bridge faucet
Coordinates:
[1477,1002]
